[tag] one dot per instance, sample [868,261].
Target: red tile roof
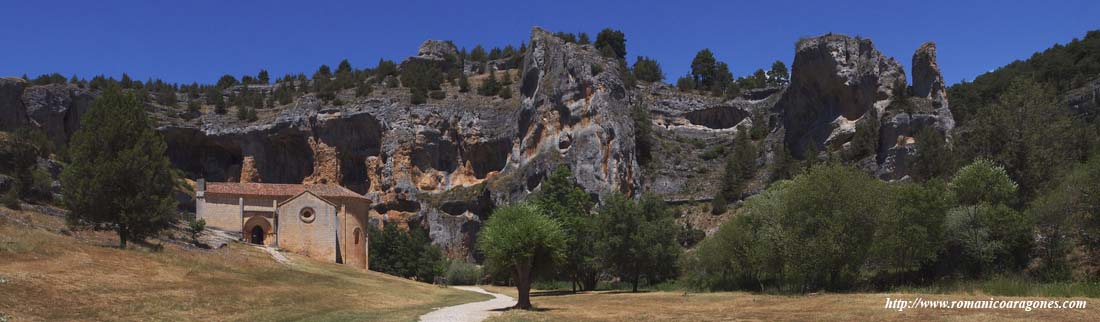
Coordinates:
[280,189]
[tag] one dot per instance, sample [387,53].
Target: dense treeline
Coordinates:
[1059,68]
[836,228]
[708,75]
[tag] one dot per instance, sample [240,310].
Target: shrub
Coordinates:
[810,233]
[596,69]
[489,87]
[685,83]
[418,96]
[613,40]
[195,227]
[10,199]
[462,273]
[648,70]
[505,92]
[409,254]
[437,95]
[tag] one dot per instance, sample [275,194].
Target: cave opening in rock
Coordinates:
[719,117]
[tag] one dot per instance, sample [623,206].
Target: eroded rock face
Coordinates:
[571,113]
[56,109]
[927,80]
[839,83]
[927,108]
[436,49]
[836,81]
[13,114]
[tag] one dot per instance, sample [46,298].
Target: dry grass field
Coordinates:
[50,274]
[740,306]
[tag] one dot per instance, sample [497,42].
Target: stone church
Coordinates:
[322,221]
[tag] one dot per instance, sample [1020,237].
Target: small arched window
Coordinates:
[357,233]
[307,215]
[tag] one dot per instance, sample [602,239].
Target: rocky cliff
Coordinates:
[842,85]
[448,162]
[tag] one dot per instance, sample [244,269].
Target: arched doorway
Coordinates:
[257,235]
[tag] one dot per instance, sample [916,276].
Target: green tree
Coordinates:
[1068,219]
[643,133]
[406,253]
[984,233]
[490,86]
[637,240]
[983,182]
[613,39]
[911,236]
[933,159]
[582,38]
[703,69]
[1025,131]
[563,200]
[522,240]
[224,82]
[463,83]
[778,75]
[478,54]
[646,69]
[421,77]
[195,227]
[685,83]
[263,77]
[120,176]
[739,169]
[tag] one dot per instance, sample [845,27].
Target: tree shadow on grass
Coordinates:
[535,309]
[626,292]
[553,293]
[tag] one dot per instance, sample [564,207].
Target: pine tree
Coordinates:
[463,84]
[119,175]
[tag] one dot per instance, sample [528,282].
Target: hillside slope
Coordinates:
[48,273]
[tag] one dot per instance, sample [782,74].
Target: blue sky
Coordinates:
[185,41]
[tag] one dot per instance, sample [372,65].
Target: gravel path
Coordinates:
[470,312]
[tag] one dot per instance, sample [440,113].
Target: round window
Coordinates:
[307,215]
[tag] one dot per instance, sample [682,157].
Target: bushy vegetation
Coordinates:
[648,70]
[739,169]
[120,177]
[563,200]
[637,239]
[523,241]
[406,253]
[836,228]
[460,272]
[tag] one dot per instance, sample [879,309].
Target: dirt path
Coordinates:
[470,312]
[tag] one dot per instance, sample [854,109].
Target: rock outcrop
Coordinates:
[56,109]
[926,108]
[447,163]
[927,80]
[13,114]
[842,85]
[575,109]
[437,50]
[836,81]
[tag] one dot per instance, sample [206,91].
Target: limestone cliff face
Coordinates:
[836,81]
[839,83]
[12,113]
[575,109]
[447,163]
[926,108]
[55,109]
